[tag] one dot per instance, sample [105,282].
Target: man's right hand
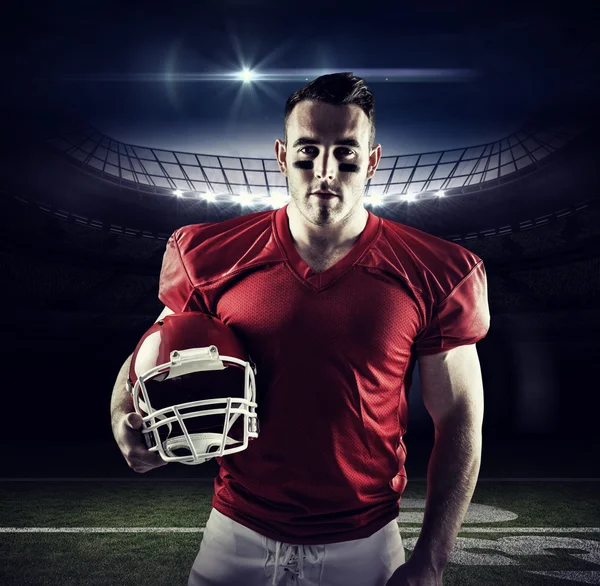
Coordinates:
[133,446]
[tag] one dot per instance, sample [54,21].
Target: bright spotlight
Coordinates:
[208,196]
[178,192]
[440,193]
[278,201]
[374,199]
[246,75]
[409,197]
[245,198]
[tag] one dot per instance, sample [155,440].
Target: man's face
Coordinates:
[327,149]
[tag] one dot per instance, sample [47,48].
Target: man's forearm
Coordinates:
[451,479]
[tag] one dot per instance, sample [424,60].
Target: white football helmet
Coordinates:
[193,384]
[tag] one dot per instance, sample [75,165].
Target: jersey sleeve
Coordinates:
[175,288]
[462,318]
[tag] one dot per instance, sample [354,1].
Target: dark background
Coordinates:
[77,298]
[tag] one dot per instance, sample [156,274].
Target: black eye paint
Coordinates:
[344,167]
[303,164]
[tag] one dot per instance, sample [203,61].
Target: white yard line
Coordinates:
[150,479]
[403,529]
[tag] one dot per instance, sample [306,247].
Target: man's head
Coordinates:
[328,146]
[337,89]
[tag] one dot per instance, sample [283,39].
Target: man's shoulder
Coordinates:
[431,251]
[430,264]
[211,250]
[242,227]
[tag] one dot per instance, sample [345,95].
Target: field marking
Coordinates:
[403,529]
[522,529]
[581,576]
[124,479]
[101,529]
[201,479]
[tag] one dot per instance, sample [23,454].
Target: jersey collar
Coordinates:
[327,277]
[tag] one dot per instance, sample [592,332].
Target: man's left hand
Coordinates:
[415,573]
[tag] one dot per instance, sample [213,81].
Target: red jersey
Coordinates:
[334,353]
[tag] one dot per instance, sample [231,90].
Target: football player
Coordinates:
[335,305]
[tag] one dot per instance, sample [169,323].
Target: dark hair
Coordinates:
[338,89]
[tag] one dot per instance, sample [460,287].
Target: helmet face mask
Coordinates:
[198,403]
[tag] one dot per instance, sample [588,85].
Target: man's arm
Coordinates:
[453,394]
[452,391]
[126,423]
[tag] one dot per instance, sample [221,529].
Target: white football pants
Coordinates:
[233,555]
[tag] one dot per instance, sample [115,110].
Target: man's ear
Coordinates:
[281,155]
[374,159]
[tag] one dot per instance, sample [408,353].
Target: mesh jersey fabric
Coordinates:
[335,353]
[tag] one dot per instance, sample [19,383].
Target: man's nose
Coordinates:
[325,166]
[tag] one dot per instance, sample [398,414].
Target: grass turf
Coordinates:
[165,559]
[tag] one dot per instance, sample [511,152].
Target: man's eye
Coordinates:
[311,150]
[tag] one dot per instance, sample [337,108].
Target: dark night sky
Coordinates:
[525,59]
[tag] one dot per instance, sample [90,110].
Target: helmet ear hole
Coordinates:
[181,451]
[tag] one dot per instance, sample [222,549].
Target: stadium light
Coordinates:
[208,196]
[440,193]
[278,201]
[374,199]
[409,197]
[178,192]
[244,198]
[246,75]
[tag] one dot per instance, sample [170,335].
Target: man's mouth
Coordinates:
[324,194]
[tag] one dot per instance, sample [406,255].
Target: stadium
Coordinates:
[85,219]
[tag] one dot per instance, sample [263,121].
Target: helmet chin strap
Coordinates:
[202,443]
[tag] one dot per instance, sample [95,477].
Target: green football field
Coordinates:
[148,532]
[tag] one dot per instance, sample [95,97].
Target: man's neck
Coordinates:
[325,238]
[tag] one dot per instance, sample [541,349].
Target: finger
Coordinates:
[140,455]
[144,465]
[134,420]
[143,461]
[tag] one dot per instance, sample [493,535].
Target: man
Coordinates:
[335,305]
